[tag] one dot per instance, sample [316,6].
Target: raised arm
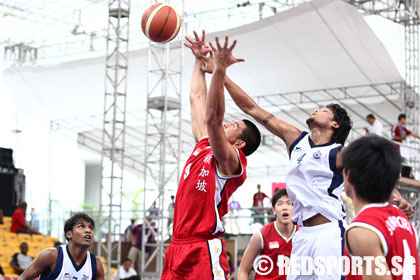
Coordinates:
[224,152]
[43,262]
[198,88]
[251,252]
[282,129]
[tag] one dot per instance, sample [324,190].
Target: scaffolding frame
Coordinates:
[162,144]
[113,134]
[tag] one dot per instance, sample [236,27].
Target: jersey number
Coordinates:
[407,266]
[299,160]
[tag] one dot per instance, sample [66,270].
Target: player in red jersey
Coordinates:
[371,169]
[271,240]
[214,170]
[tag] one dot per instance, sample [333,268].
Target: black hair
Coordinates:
[126,260]
[277,195]
[402,116]
[344,122]
[252,137]
[370,116]
[72,221]
[374,164]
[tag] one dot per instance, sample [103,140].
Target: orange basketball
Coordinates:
[160,23]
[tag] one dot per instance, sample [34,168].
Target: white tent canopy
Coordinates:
[324,44]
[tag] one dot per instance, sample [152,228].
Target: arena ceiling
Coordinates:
[296,61]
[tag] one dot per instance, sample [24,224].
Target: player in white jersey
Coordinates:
[71,261]
[314,180]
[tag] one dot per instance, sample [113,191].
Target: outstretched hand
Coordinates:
[208,64]
[198,47]
[223,57]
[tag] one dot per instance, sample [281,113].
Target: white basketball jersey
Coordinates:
[66,268]
[314,184]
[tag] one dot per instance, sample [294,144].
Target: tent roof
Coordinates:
[320,52]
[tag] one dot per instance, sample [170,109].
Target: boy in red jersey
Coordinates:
[271,240]
[371,169]
[214,170]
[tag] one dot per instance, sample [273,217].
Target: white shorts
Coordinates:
[324,242]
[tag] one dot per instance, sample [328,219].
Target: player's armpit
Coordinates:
[100,274]
[45,259]
[251,252]
[363,242]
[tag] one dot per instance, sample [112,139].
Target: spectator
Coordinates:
[1,271]
[1,217]
[231,267]
[19,224]
[239,257]
[258,204]
[375,126]
[136,243]
[171,209]
[127,231]
[21,261]
[153,212]
[234,208]
[34,219]
[399,132]
[126,272]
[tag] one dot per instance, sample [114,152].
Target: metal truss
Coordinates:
[400,11]
[411,93]
[411,192]
[113,134]
[162,143]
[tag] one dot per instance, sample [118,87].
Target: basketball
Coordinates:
[160,23]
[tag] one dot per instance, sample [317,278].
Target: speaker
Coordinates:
[6,158]
[12,190]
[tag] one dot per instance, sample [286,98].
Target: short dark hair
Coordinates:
[370,116]
[374,164]
[277,195]
[126,260]
[73,220]
[343,119]
[252,137]
[402,116]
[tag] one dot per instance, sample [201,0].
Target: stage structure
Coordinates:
[162,143]
[113,134]
[405,13]
[164,106]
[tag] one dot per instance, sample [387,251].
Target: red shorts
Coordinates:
[196,259]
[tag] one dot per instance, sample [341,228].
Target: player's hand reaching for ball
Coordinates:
[208,64]
[198,47]
[222,55]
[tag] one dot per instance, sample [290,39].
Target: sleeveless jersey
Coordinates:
[273,245]
[313,183]
[397,236]
[203,194]
[66,268]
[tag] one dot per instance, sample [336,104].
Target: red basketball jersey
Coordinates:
[203,194]
[274,244]
[397,236]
